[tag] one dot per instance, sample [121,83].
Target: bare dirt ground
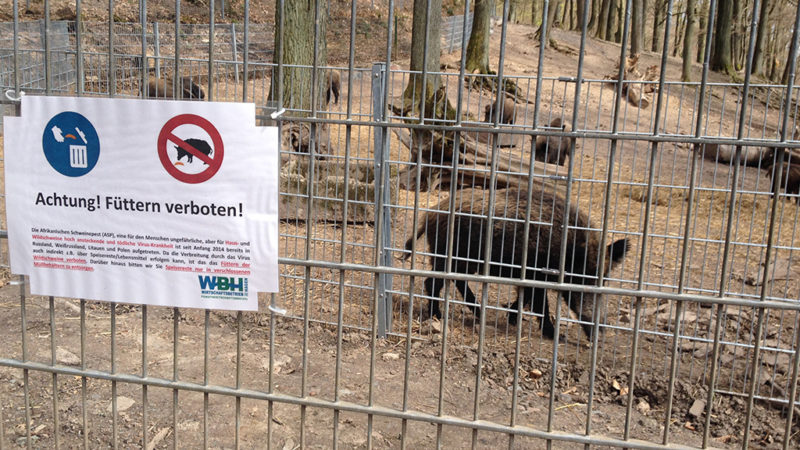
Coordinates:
[425,354]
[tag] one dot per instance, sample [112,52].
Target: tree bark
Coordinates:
[419,39]
[579,12]
[721,56]
[551,17]
[702,18]
[593,16]
[761,38]
[620,21]
[478,46]
[688,41]
[680,25]
[603,18]
[659,16]
[637,27]
[297,48]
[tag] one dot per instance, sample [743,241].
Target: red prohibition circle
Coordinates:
[166,135]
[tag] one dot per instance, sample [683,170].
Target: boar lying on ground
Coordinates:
[162,88]
[553,149]
[722,153]
[543,249]
[506,114]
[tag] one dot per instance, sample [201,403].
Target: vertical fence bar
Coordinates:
[737,164]
[565,232]
[234,54]
[526,229]
[145,64]
[246,51]
[112,71]
[490,213]
[157,49]
[606,213]
[674,360]
[46,38]
[211,33]
[114,411]
[646,226]
[145,441]
[345,212]
[176,74]
[52,308]
[176,318]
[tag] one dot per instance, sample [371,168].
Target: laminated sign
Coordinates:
[154,202]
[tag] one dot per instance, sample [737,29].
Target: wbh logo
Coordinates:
[228,288]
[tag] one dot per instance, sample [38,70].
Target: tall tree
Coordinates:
[637,27]
[478,46]
[546,27]
[603,18]
[419,40]
[659,15]
[761,38]
[296,45]
[688,41]
[580,5]
[721,56]
[593,16]
[702,17]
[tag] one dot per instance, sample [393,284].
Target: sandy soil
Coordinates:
[661,263]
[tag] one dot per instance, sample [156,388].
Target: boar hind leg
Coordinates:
[469,297]
[433,286]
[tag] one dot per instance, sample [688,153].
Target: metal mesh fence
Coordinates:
[582,265]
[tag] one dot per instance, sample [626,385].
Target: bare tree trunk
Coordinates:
[721,56]
[659,15]
[620,21]
[297,48]
[551,17]
[593,17]
[679,27]
[703,28]
[688,41]
[759,50]
[579,15]
[478,46]
[637,27]
[603,19]
[419,40]
[534,11]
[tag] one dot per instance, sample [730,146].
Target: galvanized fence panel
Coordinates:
[388,216]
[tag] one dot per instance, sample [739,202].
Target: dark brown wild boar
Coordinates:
[553,149]
[543,250]
[507,114]
[163,88]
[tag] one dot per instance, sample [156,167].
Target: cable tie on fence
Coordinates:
[10,95]
[277,310]
[16,282]
[277,113]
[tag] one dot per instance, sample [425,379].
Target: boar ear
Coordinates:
[617,250]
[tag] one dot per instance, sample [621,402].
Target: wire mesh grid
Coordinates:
[702,292]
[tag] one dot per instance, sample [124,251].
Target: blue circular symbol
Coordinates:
[71,144]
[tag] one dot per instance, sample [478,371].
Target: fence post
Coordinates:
[156,51]
[382,199]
